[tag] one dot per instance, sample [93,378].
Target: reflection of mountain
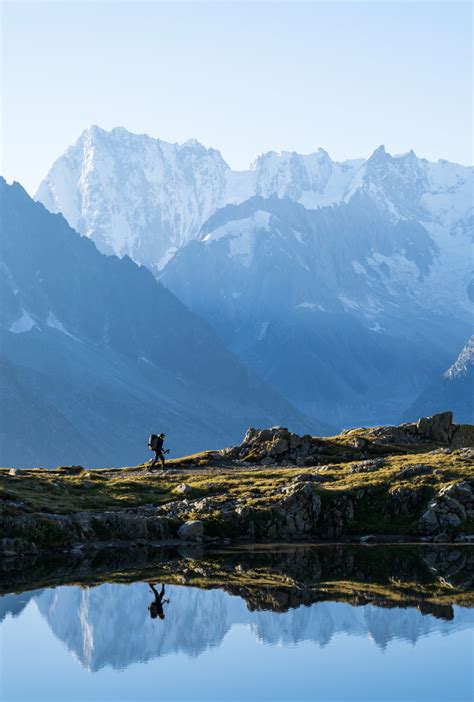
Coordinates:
[110,624]
[14,604]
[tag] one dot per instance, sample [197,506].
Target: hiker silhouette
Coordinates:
[155,443]
[156,607]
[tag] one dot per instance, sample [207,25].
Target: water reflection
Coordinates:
[110,624]
[156,607]
[285,598]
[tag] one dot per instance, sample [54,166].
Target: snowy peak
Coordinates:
[134,194]
[146,198]
[437,194]
[464,363]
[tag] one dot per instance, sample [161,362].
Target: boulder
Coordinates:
[184,489]
[463,436]
[191,531]
[437,428]
[449,509]
[428,522]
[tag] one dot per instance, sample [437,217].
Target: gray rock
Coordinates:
[414,470]
[191,531]
[439,427]
[462,492]
[184,489]
[360,442]
[278,446]
[429,520]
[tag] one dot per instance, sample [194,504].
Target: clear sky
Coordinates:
[243,77]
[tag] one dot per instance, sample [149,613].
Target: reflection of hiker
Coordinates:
[155,443]
[156,607]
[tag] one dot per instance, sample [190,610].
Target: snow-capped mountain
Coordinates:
[329,305]
[464,364]
[145,197]
[348,286]
[133,194]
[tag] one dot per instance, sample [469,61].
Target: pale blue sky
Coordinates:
[242,77]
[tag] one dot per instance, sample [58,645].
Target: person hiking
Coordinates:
[156,607]
[155,443]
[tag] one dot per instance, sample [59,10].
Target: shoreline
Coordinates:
[411,483]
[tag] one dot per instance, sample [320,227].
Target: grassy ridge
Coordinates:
[57,491]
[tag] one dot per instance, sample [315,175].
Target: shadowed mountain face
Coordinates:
[285,598]
[329,306]
[96,354]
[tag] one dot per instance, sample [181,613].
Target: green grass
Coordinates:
[54,491]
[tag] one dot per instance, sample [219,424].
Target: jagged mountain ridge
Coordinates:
[146,198]
[97,354]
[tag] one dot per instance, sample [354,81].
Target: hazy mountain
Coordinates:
[96,354]
[146,198]
[348,286]
[328,305]
[454,389]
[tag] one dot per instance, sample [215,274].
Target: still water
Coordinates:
[298,625]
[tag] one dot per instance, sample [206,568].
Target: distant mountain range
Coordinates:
[146,198]
[349,287]
[95,354]
[318,295]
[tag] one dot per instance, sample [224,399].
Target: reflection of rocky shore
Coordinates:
[284,595]
[274,578]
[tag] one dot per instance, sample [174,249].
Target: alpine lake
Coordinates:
[309,622]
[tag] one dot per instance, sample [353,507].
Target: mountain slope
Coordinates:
[325,304]
[97,354]
[455,389]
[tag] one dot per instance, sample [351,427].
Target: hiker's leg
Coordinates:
[162,461]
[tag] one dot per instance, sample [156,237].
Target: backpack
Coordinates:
[153,442]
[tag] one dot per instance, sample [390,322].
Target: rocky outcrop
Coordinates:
[278,446]
[37,532]
[439,429]
[273,446]
[452,506]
